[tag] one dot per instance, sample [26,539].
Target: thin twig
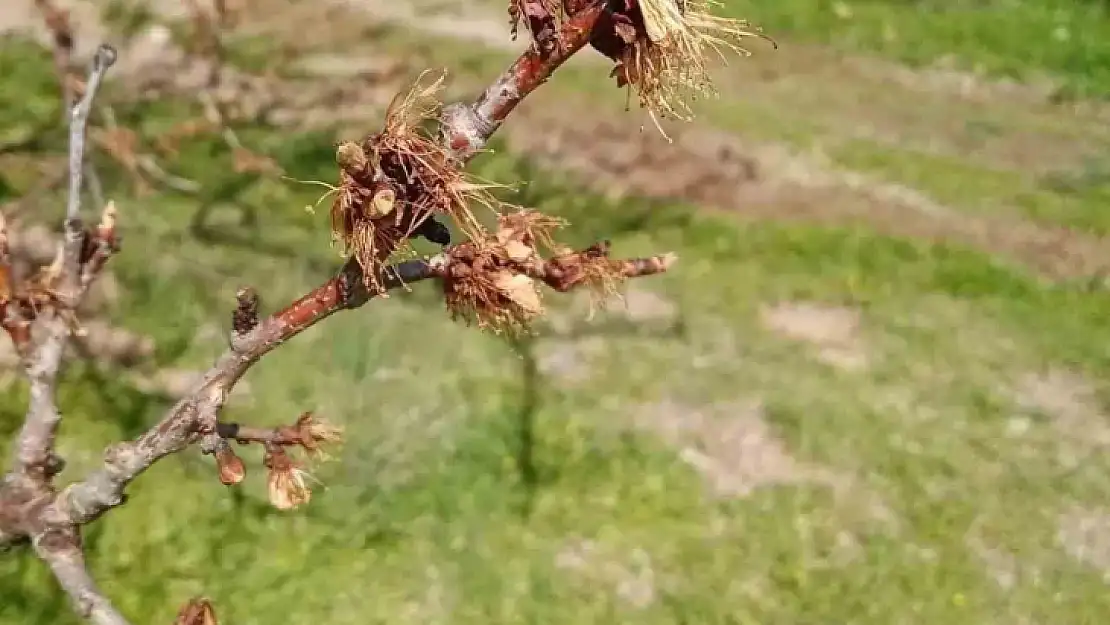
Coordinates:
[78,124]
[64,42]
[196,414]
[35,460]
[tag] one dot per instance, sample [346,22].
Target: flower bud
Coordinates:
[231,467]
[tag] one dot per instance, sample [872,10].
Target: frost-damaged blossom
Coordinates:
[286,484]
[197,611]
[493,281]
[661,48]
[395,180]
[314,435]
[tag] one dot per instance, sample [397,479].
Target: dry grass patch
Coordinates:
[1069,401]
[1084,534]
[833,331]
[737,452]
[631,578]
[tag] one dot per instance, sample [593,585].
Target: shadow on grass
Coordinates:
[532,386]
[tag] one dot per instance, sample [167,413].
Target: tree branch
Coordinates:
[493,276]
[196,414]
[34,448]
[62,553]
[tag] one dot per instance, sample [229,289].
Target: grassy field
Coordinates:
[810,421]
[1021,39]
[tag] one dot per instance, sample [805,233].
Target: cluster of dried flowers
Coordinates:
[398,179]
[287,481]
[395,180]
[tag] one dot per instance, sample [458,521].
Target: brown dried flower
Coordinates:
[316,434]
[285,484]
[198,611]
[494,281]
[662,47]
[106,229]
[394,180]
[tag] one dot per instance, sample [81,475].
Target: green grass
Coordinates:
[1020,39]
[470,479]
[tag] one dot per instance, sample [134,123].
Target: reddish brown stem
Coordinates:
[467,128]
[196,414]
[307,432]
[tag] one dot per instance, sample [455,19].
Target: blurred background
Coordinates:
[873,391]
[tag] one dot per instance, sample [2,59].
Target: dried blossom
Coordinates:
[316,434]
[106,229]
[493,282]
[286,482]
[198,611]
[395,180]
[661,48]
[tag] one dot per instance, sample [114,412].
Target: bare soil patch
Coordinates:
[1084,534]
[1002,566]
[833,331]
[630,577]
[612,154]
[1070,402]
[733,448]
[737,451]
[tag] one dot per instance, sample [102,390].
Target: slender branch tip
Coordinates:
[106,56]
